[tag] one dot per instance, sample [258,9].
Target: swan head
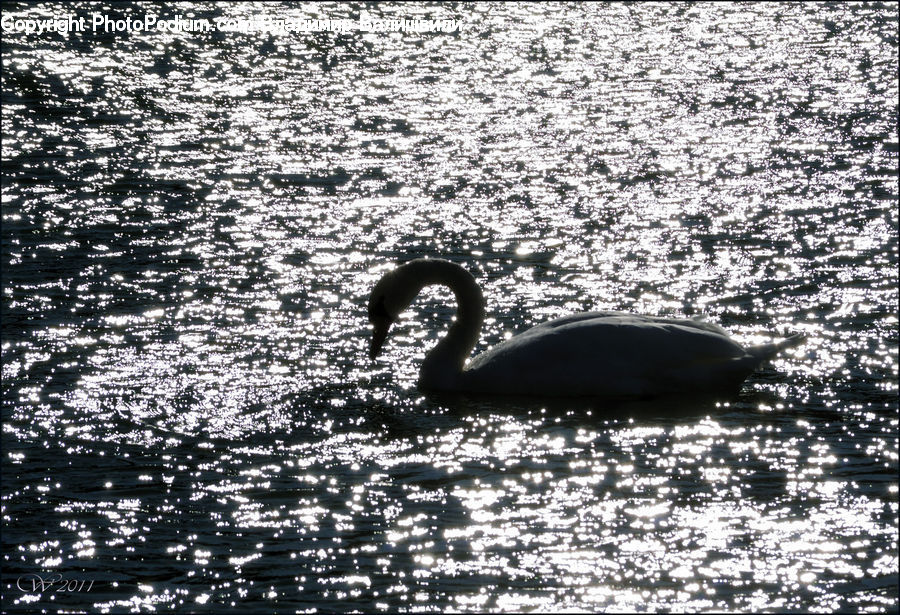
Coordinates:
[381,322]
[393,294]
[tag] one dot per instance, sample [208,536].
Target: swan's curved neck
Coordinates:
[443,365]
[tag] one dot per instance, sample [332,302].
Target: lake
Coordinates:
[198,198]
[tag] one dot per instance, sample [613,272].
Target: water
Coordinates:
[192,223]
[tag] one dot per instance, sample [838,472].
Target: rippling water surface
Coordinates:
[191,225]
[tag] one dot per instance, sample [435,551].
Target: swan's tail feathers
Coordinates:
[766,351]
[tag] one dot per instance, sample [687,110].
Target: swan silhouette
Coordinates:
[604,354]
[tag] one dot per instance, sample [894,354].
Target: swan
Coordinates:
[601,354]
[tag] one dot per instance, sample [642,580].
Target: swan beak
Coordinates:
[378,337]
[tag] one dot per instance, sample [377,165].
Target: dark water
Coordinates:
[192,222]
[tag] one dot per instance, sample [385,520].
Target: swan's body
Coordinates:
[608,354]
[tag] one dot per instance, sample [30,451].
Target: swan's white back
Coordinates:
[610,355]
